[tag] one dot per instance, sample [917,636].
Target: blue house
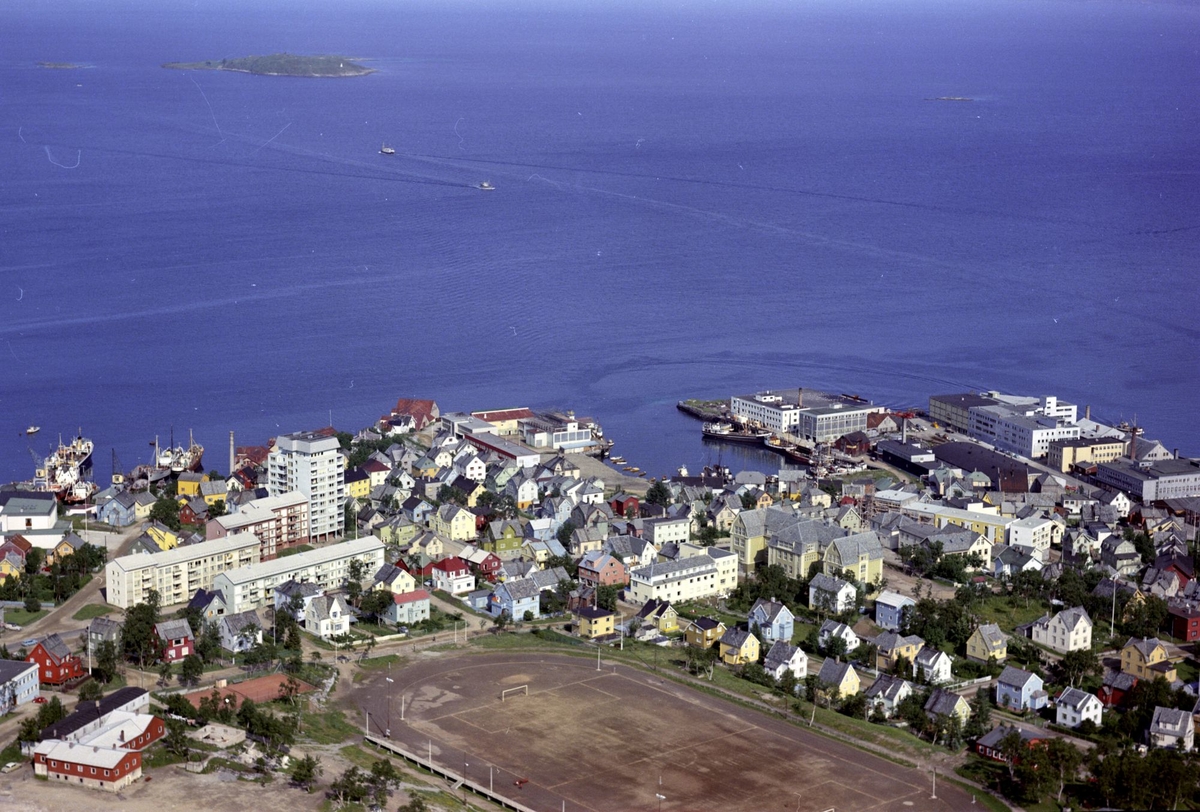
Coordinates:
[515,597]
[120,511]
[1018,689]
[889,609]
[773,620]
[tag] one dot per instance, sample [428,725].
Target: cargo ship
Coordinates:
[67,471]
[728,433]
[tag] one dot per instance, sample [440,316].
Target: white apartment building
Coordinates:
[176,574]
[771,410]
[1030,437]
[1033,533]
[663,530]
[279,522]
[252,587]
[310,462]
[685,579]
[1069,630]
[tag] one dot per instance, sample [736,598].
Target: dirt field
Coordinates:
[614,739]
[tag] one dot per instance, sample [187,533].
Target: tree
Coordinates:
[191,669]
[659,494]
[90,691]
[138,636]
[1075,665]
[165,510]
[30,730]
[352,786]
[216,509]
[606,597]
[51,712]
[164,673]
[305,772]
[375,603]
[32,603]
[980,721]
[415,804]
[1064,758]
[564,534]
[176,740]
[501,620]
[106,661]
[748,501]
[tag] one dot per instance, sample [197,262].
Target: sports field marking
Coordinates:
[507,691]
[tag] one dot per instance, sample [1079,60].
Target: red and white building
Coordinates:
[104,768]
[176,638]
[453,575]
[56,664]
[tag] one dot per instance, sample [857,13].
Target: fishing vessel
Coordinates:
[486,187]
[726,432]
[33,429]
[386,150]
[178,459]
[66,472]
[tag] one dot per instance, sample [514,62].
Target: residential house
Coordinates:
[1008,561]
[738,647]
[943,704]
[485,564]
[503,536]
[327,616]
[988,745]
[934,663]
[1146,658]
[1172,728]
[886,694]
[861,553]
[453,575]
[408,608]
[986,643]
[1069,630]
[624,504]
[891,646]
[595,622]
[1116,686]
[1018,690]
[393,579]
[516,598]
[294,596]
[103,630]
[704,632]
[454,522]
[56,664]
[773,620]
[831,630]
[120,511]
[660,614]
[783,657]
[837,679]
[18,683]
[598,568]
[830,594]
[1074,707]
[889,609]
[176,639]
[209,603]
[240,632]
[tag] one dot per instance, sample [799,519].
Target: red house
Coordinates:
[1184,621]
[56,664]
[1117,684]
[623,503]
[598,568]
[176,639]
[104,768]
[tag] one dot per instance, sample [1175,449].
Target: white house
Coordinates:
[1172,728]
[831,629]
[830,594]
[327,616]
[1069,630]
[784,657]
[886,694]
[935,663]
[240,632]
[1074,706]
[19,683]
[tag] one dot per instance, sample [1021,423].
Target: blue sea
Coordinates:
[693,199]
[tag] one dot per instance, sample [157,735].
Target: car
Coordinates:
[30,643]
[10,766]
[41,700]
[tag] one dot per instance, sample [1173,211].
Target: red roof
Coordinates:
[254,454]
[451,564]
[421,410]
[503,414]
[374,466]
[20,542]
[410,597]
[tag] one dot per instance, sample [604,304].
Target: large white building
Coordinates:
[1030,437]
[1033,533]
[279,522]
[825,419]
[712,571]
[1152,481]
[252,587]
[309,462]
[176,574]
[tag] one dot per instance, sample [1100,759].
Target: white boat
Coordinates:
[486,187]
[33,429]
[386,150]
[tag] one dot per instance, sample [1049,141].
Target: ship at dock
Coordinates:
[177,459]
[729,433]
[67,471]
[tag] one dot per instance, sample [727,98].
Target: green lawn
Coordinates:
[92,610]
[1000,610]
[303,548]
[23,618]
[327,727]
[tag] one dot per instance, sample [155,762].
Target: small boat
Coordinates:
[33,429]
[617,460]
[386,150]
[486,187]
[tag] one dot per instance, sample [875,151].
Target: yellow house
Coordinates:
[142,504]
[838,679]
[395,580]
[189,483]
[748,539]
[399,531]
[8,568]
[454,522]
[860,553]
[987,642]
[69,544]
[661,614]
[1146,658]
[213,491]
[704,632]
[428,543]
[596,622]
[358,483]
[891,646]
[738,647]
[163,536]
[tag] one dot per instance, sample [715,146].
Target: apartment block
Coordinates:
[310,462]
[279,522]
[176,574]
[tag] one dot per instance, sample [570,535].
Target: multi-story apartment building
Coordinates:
[177,573]
[1063,455]
[713,572]
[309,462]
[279,522]
[252,587]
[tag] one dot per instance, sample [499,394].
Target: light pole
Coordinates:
[660,798]
[388,733]
[464,782]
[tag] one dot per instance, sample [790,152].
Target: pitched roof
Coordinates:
[1075,698]
[236,622]
[993,639]
[1144,646]
[1170,722]
[888,687]
[706,623]
[942,702]
[771,609]
[56,647]
[780,654]
[1019,678]
[833,672]
[173,629]
[735,637]
[411,597]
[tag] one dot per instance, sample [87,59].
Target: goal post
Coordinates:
[504,694]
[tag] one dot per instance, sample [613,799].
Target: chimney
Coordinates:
[232,456]
[800,396]
[1087,412]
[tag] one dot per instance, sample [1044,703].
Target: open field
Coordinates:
[604,740]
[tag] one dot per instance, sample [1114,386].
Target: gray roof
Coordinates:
[735,637]
[771,609]
[780,654]
[942,702]
[518,589]
[322,604]
[851,548]
[549,579]
[1145,646]
[292,588]
[1019,678]
[1074,698]
[1170,722]
[11,669]
[827,583]
[173,629]
[56,647]
[993,638]
[235,623]
[832,672]
[887,687]
[890,641]
[104,628]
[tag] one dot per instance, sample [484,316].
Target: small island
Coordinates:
[59,65]
[322,66]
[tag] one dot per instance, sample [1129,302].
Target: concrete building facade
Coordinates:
[310,462]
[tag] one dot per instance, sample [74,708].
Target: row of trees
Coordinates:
[57,582]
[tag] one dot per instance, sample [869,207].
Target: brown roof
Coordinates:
[421,410]
[503,414]
[254,454]
[259,689]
